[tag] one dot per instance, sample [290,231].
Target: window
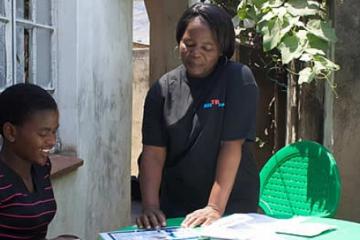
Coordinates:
[27,52]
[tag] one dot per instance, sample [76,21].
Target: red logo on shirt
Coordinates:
[213,103]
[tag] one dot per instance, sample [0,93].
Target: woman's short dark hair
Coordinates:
[218,20]
[20,101]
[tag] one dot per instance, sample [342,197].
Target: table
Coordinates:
[346,230]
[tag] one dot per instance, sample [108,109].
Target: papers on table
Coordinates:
[257,226]
[168,233]
[233,227]
[242,227]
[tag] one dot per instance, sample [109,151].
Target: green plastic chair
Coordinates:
[300,179]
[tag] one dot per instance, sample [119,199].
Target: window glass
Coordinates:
[21,55]
[43,58]
[23,9]
[2,56]
[43,12]
[2,8]
[33,59]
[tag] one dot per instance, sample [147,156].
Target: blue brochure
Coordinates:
[171,233]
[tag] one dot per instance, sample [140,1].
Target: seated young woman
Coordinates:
[29,119]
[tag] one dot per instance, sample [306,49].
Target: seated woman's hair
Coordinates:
[218,20]
[19,101]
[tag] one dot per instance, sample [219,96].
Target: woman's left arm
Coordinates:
[227,166]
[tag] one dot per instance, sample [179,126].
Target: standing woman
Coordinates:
[199,120]
[29,119]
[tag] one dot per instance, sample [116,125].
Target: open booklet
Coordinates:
[250,226]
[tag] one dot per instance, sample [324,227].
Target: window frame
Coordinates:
[12,21]
[7,21]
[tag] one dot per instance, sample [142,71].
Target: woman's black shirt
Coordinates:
[191,118]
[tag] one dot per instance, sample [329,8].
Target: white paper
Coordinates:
[243,227]
[257,226]
[306,229]
[244,234]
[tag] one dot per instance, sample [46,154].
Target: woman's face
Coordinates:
[199,49]
[36,136]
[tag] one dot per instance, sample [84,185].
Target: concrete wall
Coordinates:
[94,92]
[140,88]
[346,108]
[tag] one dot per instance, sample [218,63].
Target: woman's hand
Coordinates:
[151,217]
[203,217]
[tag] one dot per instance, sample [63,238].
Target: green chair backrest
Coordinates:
[300,179]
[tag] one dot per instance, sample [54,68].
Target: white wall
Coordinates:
[94,96]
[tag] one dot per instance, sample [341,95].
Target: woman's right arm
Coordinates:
[151,167]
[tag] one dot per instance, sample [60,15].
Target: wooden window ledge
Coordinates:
[62,164]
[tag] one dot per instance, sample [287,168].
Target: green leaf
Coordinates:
[236,20]
[322,30]
[302,34]
[243,4]
[300,24]
[288,23]
[253,14]
[314,51]
[319,67]
[272,4]
[259,3]
[306,75]
[249,23]
[271,34]
[317,43]
[290,48]
[280,12]
[324,63]
[268,16]
[305,57]
[276,28]
[243,8]
[323,67]
[242,13]
[302,7]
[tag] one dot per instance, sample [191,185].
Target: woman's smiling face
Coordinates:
[36,136]
[199,49]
